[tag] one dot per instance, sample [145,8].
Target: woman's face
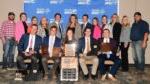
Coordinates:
[95,22]
[104,20]
[34,21]
[44,21]
[69,33]
[114,18]
[125,20]
[73,19]
[23,17]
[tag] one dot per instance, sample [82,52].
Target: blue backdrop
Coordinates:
[48,8]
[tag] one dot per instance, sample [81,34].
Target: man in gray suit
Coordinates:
[60,30]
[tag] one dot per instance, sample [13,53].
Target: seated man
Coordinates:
[28,48]
[87,51]
[107,48]
[52,42]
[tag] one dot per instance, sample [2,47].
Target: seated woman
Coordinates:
[108,49]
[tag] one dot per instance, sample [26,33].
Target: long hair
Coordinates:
[73,15]
[46,20]
[127,24]
[66,37]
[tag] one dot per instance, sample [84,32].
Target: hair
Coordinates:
[41,21]
[66,37]
[86,15]
[137,13]
[105,17]
[95,18]
[33,17]
[57,14]
[11,13]
[117,17]
[106,30]
[34,25]
[22,13]
[53,27]
[128,23]
[73,15]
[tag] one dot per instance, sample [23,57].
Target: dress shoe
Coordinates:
[110,76]
[86,77]
[103,77]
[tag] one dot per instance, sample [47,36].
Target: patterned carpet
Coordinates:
[7,77]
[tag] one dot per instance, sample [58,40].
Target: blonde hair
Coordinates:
[128,22]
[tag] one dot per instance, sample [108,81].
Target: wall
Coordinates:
[126,7]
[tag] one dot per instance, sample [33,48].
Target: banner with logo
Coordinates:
[94,8]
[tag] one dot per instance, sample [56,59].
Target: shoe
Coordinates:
[34,71]
[103,77]
[112,77]
[94,77]
[86,77]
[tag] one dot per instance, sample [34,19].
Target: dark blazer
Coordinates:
[89,25]
[81,46]
[112,43]
[56,44]
[116,31]
[23,43]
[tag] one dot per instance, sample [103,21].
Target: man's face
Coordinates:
[34,30]
[104,20]
[106,34]
[11,17]
[53,31]
[87,32]
[84,19]
[114,18]
[137,18]
[57,18]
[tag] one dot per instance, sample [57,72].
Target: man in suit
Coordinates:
[85,23]
[28,48]
[108,48]
[87,51]
[57,23]
[51,41]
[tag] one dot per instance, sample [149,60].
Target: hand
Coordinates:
[27,54]
[3,40]
[144,44]
[125,45]
[31,52]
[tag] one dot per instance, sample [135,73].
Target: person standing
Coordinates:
[139,38]
[85,23]
[8,38]
[58,24]
[34,20]
[125,42]
[21,26]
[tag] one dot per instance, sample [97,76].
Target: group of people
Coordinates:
[96,42]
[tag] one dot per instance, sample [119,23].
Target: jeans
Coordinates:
[114,67]
[9,52]
[138,55]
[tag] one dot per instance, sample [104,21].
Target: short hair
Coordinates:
[57,14]
[106,30]
[53,27]
[137,13]
[86,15]
[11,13]
[87,29]
[104,16]
[23,13]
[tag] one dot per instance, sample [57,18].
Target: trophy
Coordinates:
[70,49]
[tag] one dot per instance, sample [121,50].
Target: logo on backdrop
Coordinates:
[94,8]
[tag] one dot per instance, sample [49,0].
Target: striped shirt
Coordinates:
[7,29]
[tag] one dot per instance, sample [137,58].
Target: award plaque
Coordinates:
[70,49]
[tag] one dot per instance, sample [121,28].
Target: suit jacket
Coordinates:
[23,43]
[112,44]
[89,25]
[116,31]
[59,34]
[82,44]
[57,42]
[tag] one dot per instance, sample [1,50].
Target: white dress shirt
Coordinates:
[31,37]
[86,39]
[51,45]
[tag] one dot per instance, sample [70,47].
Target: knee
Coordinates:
[44,59]
[96,60]
[19,58]
[81,60]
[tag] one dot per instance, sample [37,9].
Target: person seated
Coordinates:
[87,51]
[53,45]
[28,48]
[108,48]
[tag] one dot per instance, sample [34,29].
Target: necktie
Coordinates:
[60,30]
[88,45]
